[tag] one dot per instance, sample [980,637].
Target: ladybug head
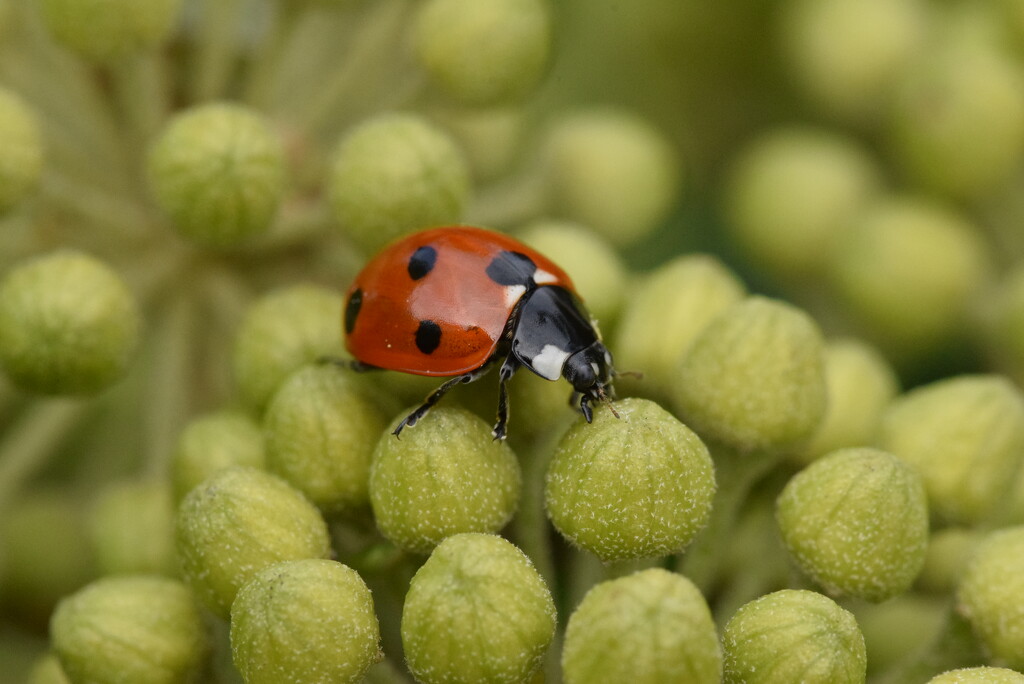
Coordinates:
[590,372]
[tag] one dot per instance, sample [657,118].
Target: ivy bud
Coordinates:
[217,171]
[103,30]
[754,377]
[238,522]
[21,150]
[856,521]
[282,331]
[445,475]
[979,675]
[935,259]
[860,384]
[394,174]
[991,595]
[792,195]
[793,636]
[593,264]
[613,172]
[304,621]
[476,611]
[68,324]
[635,486]
[965,436]
[213,442]
[130,628]
[649,627]
[484,53]
[321,431]
[664,313]
[131,527]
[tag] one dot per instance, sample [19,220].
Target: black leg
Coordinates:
[585,408]
[436,395]
[350,364]
[508,369]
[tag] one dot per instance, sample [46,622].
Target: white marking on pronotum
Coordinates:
[597,371]
[513,294]
[549,362]
[542,277]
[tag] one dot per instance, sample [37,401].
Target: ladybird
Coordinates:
[452,302]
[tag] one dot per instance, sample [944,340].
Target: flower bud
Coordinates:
[238,522]
[445,475]
[68,324]
[754,377]
[21,150]
[949,552]
[664,313]
[304,621]
[635,486]
[218,171]
[211,443]
[593,264]
[321,432]
[103,30]
[130,628]
[650,627]
[979,675]
[793,636]
[131,527]
[476,611]
[394,174]
[933,258]
[965,436]
[282,331]
[856,521]
[991,595]
[484,53]
[860,385]
[613,172]
[792,195]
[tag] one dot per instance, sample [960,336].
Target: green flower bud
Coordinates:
[856,521]
[593,264]
[613,172]
[979,675]
[238,522]
[211,443]
[218,171]
[860,384]
[444,476]
[792,195]
[847,54]
[484,53]
[321,432]
[793,636]
[991,595]
[664,313]
[68,324]
[650,627]
[477,612]
[934,259]
[395,174]
[21,150]
[104,30]
[754,377]
[47,670]
[949,551]
[131,527]
[965,436]
[491,139]
[130,628]
[282,331]
[958,123]
[304,621]
[635,486]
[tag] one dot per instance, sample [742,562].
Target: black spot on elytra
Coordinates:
[511,268]
[428,336]
[422,262]
[355,302]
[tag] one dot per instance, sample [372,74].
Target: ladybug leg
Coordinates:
[585,409]
[508,369]
[436,395]
[350,364]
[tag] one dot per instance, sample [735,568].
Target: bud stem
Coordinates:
[32,439]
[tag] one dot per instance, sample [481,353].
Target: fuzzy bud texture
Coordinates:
[213,442]
[979,675]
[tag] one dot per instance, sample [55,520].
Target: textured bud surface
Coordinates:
[979,675]
[213,442]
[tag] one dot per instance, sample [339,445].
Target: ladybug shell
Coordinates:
[437,302]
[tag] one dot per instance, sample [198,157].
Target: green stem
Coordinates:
[32,439]
[216,50]
[530,525]
[141,91]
